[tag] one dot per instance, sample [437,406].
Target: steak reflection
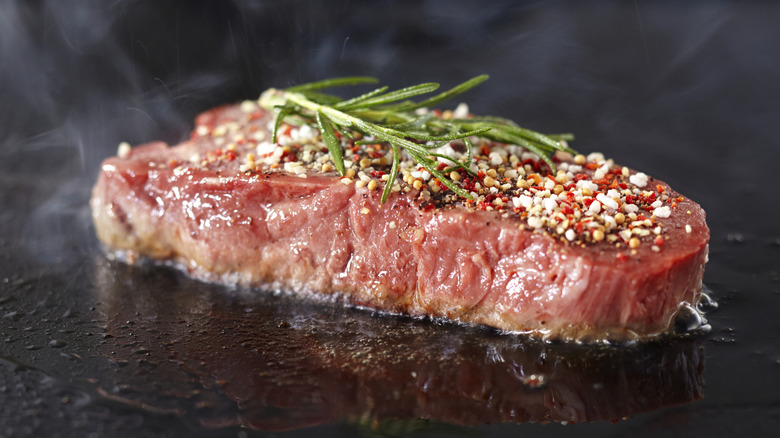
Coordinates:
[275,362]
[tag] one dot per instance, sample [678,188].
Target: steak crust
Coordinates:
[314,232]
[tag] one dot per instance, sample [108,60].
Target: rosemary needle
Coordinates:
[392,117]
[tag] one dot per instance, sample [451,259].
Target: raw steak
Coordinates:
[593,251]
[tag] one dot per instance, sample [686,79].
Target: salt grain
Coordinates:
[663,212]
[638,179]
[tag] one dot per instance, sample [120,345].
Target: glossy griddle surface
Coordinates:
[92,347]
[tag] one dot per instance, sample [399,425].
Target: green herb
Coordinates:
[392,117]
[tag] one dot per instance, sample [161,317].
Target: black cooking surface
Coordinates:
[92,347]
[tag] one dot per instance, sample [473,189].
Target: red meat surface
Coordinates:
[318,235]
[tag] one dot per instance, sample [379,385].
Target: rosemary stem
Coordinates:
[391,117]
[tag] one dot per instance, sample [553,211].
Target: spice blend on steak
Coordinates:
[592,250]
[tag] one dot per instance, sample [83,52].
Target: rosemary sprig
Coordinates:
[391,117]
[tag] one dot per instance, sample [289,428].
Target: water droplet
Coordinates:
[14,316]
[736,238]
[118,362]
[57,343]
[71,356]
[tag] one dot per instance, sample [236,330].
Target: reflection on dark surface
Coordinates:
[275,363]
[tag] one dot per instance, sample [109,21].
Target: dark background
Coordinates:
[686,91]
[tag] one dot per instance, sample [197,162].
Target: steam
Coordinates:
[78,78]
[86,75]
[629,79]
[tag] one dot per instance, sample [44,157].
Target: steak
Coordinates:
[592,251]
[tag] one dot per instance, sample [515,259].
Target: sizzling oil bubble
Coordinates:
[706,302]
[689,320]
